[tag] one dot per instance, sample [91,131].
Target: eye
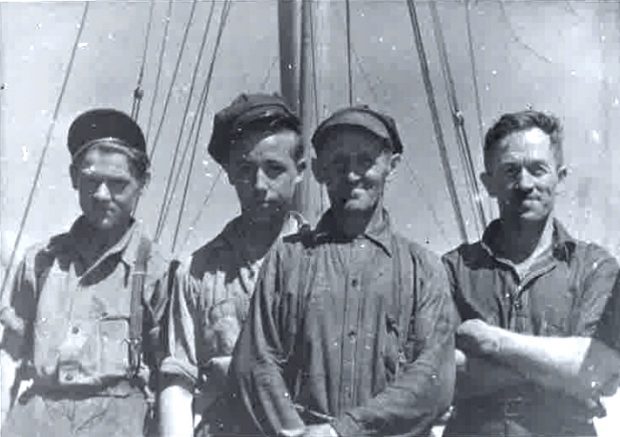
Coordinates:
[274,168]
[538,169]
[117,185]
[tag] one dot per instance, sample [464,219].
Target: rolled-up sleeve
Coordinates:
[424,387]
[182,325]
[262,353]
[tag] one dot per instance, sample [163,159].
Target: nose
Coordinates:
[353,174]
[102,192]
[525,181]
[261,180]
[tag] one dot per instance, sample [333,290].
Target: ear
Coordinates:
[562,173]
[318,169]
[74,173]
[488,182]
[394,161]
[146,179]
[301,168]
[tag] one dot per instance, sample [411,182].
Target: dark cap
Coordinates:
[380,124]
[245,110]
[110,125]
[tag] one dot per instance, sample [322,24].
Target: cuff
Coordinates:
[346,426]
[174,367]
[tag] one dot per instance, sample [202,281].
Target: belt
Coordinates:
[113,388]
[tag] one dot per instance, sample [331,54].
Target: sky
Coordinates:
[554,56]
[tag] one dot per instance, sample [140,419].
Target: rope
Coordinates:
[138,93]
[474,69]
[48,140]
[473,190]
[177,65]
[432,104]
[167,191]
[224,16]
[160,62]
[349,67]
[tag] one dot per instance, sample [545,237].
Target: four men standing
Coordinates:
[351,328]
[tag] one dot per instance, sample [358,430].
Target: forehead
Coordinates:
[351,140]
[263,145]
[106,162]
[530,144]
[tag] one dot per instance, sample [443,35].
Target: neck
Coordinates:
[259,236]
[523,240]
[354,223]
[98,241]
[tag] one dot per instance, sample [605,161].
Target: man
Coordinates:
[350,330]
[256,140]
[529,295]
[82,322]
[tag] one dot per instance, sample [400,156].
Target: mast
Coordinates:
[296,82]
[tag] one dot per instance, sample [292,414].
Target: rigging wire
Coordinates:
[474,69]
[138,93]
[167,192]
[473,189]
[223,18]
[265,81]
[160,63]
[177,65]
[349,66]
[432,104]
[48,140]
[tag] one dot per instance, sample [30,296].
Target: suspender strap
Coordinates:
[137,309]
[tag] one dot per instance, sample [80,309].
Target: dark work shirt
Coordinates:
[561,295]
[356,332]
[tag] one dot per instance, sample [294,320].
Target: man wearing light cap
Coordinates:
[350,331]
[85,305]
[256,140]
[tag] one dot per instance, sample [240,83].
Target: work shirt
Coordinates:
[357,332]
[210,299]
[76,318]
[561,295]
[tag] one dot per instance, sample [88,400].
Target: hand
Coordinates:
[477,338]
[322,430]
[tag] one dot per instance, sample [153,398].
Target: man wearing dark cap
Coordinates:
[85,305]
[350,331]
[256,140]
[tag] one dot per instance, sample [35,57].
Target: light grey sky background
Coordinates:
[558,56]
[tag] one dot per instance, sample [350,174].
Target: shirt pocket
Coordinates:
[113,344]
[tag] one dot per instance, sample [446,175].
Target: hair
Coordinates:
[520,121]
[271,126]
[138,160]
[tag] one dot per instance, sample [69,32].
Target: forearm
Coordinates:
[175,411]
[577,365]
[8,373]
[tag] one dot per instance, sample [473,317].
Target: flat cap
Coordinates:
[362,116]
[103,124]
[245,110]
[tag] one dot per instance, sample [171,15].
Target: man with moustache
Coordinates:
[530,296]
[256,140]
[350,330]
[85,305]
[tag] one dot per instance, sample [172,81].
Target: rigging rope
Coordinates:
[177,65]
[473,190]
[223,17]
[167,191]
[432,104]
[474,70]
[160,62]
[48,140]
[138,93]
[349,66]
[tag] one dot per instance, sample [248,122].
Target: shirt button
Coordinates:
[352,334]
[517,304]
[354,282]
[75,330]
[69,377]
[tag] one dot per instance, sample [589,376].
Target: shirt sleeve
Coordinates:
[182,323]
[19,314]
[598,282]
[262,351]
[424,387]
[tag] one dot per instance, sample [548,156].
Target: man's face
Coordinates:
[107,187]
[264,173]
[524,176]
[354,165]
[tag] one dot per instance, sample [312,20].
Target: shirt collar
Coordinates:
[563,244]
[378,231]
[125,247]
